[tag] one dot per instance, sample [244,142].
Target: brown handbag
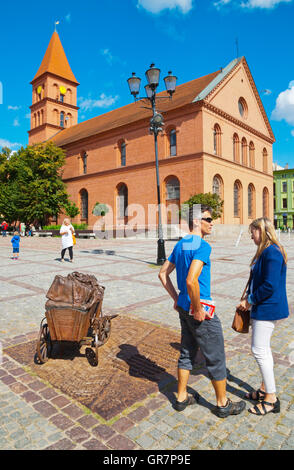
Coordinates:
[241,319]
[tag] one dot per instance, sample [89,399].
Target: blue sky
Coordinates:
[106,40]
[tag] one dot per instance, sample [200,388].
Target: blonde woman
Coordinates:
[66,232]
[267,299]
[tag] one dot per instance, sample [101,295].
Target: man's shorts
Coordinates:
[15,250]
[206,335]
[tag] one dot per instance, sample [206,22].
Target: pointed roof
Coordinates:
[55,61]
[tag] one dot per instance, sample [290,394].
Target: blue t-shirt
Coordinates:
[191,247]
[15,241]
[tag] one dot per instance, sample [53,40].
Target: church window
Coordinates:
[123,154]
[243,108]
[62,119]
[173,143]
[85,157]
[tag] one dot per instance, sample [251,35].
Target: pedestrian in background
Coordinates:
[66,232]
[4,227]
[267,298]
[15,245]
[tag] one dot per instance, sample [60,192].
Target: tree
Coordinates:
[31,186]
[212,200]
[100,209]
[71,209]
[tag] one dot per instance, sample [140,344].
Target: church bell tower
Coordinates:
[54,101]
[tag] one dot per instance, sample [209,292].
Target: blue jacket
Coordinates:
[15,241]
[268,286]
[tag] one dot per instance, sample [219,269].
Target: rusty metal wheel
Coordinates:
[92,356]
[44,344]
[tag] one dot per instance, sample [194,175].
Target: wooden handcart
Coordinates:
[74,313]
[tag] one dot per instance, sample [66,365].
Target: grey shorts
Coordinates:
[206,335]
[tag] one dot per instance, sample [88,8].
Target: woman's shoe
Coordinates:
[276,408]
[259,395]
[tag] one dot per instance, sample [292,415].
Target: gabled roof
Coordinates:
[185,94]
[55,61]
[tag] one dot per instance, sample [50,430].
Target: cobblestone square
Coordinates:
[30,402]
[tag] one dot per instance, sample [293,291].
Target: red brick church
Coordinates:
[216,138]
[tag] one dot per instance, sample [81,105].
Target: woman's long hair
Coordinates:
[268,237]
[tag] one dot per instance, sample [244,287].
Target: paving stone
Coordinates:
[60,401]
[122,425]
[94,444]
[138,414]
[78,434]
[45,409]
[145,441]
[88,421]
[73,411]
[103,432]
[61,421]
[63,444]
[120,442]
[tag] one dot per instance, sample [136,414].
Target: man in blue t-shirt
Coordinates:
[191,258]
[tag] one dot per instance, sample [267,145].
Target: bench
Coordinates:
[43,234]
[86,235]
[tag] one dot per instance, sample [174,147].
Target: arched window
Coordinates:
[217,140]
[217,186]
[35,120]
[123,153]
[68,120]
[62,119]
[265,201]
[122,201]
[251,201]
[56,91]
[84,204]
[172,199]
[172,186]
[237,199]
[173,143]
[244,151]
[236,153]
[38,117]
[85,162]
[264,160]
[251,155]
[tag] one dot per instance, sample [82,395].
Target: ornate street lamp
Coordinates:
[156,125]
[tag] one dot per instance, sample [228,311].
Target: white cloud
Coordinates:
[284,109]
[13,108]
[156,6]
[28,116]
[7,143]
[250,4]
[16,122]
[263,3]
[108,56]
[104,101]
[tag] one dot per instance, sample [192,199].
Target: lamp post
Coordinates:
[156,125]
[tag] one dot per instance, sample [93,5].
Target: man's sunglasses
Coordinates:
[207,219]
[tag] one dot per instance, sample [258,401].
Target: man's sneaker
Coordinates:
[190,400]
[62,260]
[231,408]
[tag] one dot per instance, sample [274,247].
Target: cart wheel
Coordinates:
[92,356]
[104,330]
[44,344]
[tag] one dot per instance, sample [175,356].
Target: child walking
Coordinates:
[15,245]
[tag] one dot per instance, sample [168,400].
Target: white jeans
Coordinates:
[261,349]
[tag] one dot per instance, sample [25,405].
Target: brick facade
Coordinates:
[206,116]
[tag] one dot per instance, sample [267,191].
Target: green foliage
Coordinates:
[31,188]
[82,226]
[71,209]
[209,199]
[100,209]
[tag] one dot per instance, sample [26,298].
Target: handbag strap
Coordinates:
[248,282]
